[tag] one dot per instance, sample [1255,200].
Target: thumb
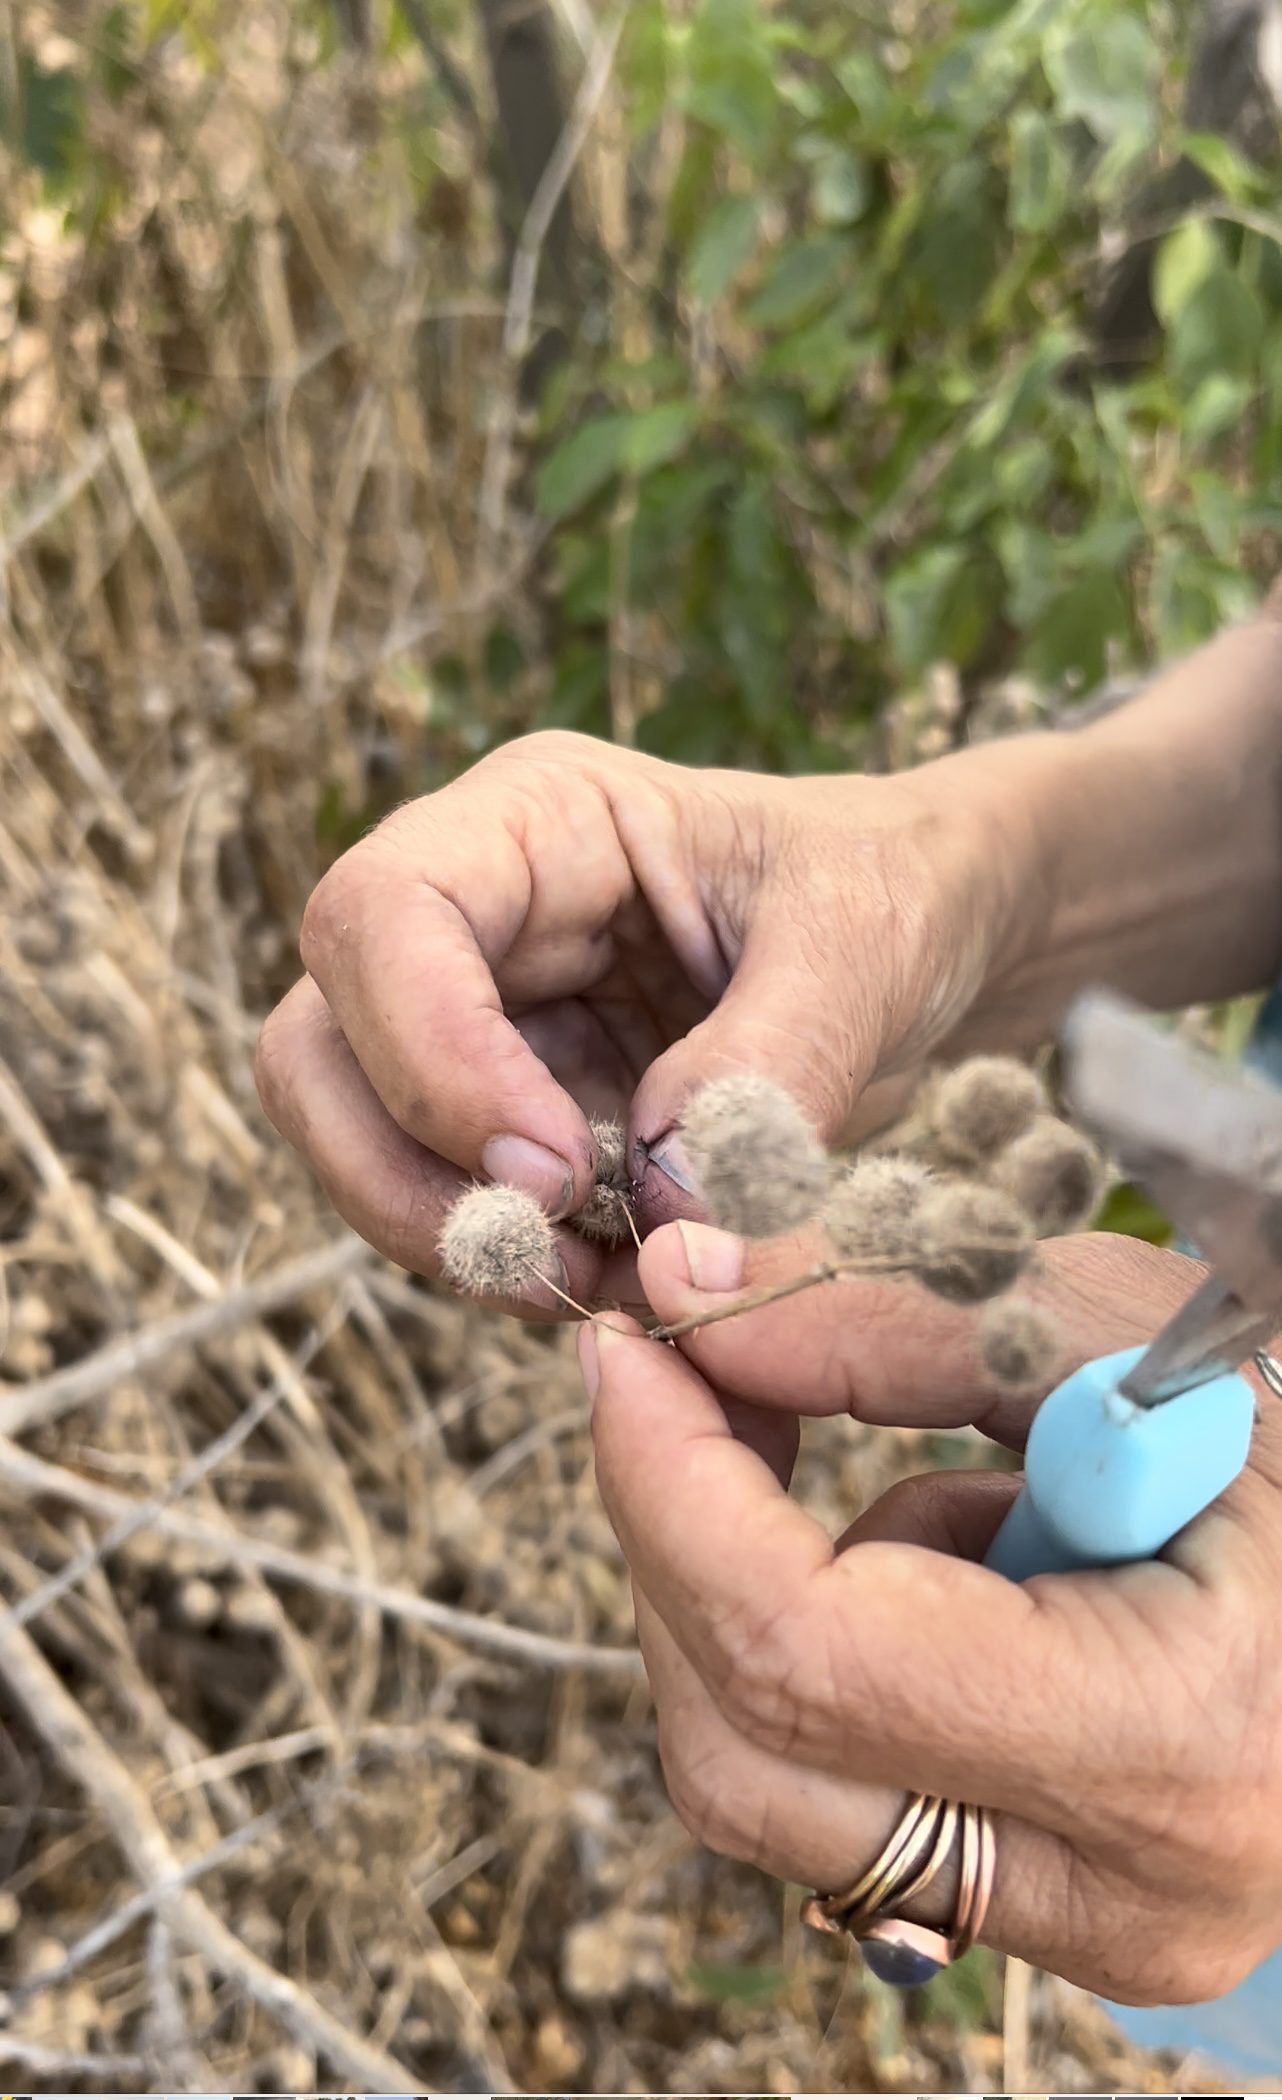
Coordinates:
[794,1012]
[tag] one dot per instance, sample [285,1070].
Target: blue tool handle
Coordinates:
[1107,1482]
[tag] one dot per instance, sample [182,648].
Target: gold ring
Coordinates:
[913,1856]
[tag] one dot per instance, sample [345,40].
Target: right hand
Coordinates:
[574,928]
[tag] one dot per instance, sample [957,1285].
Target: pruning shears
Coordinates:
[1133,1446]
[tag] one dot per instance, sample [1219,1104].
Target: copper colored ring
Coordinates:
[864,1896]
[912,1857]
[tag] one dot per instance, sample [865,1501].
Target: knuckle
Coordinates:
[702,1788]
[323,919]
[555,747]
[272,1070]
[754,1678]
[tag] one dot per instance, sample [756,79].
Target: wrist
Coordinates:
[1143,850]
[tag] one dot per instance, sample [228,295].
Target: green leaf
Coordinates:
[583,465]
[798,281]
[722,247]
[1218,404]
[951,255]
[938,603]
[1184,261]
[1072,636]
[842,188]
[745,1984]
[52,104]
[1105,74]
[1219,330]
[1129,1211]
[1040,173]
[731,74]
[658,435]
[1219,159]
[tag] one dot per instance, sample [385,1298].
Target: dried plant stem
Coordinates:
[186,1478]
[497,464]
[537,1276]
[77,1746]
[821,1272]
[1016,2067]
[34,1476]
[52,2064]
[48,1398]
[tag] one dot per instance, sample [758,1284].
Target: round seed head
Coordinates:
[605,1214]
[494,1241]
[974,1241]
[761,1169]
[1019,1346]
[610,1140]
[872,1212]
[981,1105]
[1055,1174]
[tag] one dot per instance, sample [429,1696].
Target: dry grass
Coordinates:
[323,1753]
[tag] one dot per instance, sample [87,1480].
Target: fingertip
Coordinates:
[597,1340]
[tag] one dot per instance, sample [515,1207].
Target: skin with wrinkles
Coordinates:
[572,930]
[800,1687]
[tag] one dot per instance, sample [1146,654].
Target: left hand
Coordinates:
[1125,1726]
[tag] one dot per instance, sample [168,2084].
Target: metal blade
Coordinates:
[1205,1142]
[1211,1334]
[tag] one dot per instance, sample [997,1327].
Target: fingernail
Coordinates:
[539,1171]
[594,1337]
[714,1259]
[589,1358]
[671,1159]
[539,1291]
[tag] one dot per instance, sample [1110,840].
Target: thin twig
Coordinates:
[77,1746]
[822,1272]
[57,2063]
[233,1549]
[518,325]
[186,1478]
[1016,2069]
[47,1399]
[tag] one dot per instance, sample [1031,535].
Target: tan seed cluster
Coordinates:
[1020,1346]
[760,1166]
[981,1106]
[873,1213]
[495,1241]
[974,1241]
[1055,1174]
[604,1216]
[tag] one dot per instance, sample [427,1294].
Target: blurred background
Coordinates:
[796,386]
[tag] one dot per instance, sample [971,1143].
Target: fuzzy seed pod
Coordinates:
[872,1212]
[605,1214]
[1019,1346]
[495,1240]
[761,1169]
[248,1610]
[1055,1174]
[974,1241]
[198,1603]
[982,1105]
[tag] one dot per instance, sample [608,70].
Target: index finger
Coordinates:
[899,1665]
[408,936]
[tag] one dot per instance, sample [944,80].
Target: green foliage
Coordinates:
[742,1984]
[871,431]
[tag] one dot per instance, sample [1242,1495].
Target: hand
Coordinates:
[1125,1726]
[574,928]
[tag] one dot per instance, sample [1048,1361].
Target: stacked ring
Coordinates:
[913,1856]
